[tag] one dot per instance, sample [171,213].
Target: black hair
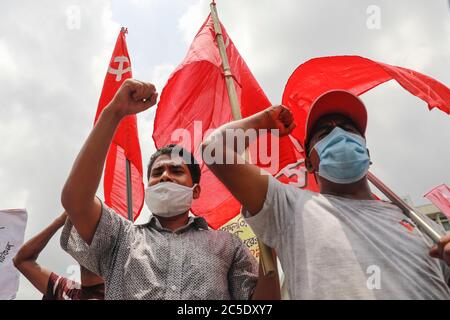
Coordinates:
[176,150]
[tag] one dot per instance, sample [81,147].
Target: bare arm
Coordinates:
[25,259]
[268,286]
[78,195]
[245,181]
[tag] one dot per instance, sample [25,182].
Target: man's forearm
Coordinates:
[78,195]
[82,183]
[268,286]
[230,140]
[25,259]
[245,181]
[255,122]
[33,247]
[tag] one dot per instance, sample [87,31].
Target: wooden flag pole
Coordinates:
[406,208]
[267,261]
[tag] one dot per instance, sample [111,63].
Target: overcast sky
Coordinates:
[53,62]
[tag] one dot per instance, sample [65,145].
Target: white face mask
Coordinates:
[168,199]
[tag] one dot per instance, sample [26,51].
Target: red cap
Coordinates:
[337,101]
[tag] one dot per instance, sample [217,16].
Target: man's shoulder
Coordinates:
[216,233]
[289,189]
[229,238]
[222,235]
[112,212]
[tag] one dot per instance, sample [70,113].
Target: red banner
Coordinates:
[125,144]
[358,75]
[195,100]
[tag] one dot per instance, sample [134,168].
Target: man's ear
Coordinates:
[308,165]
[368,153]
[196,191]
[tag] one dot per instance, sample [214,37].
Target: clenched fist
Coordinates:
[133,96]
[279,117]
[442,249]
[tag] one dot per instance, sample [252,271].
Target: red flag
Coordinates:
[440,197]
[358,75]
[196,91]
[125,144]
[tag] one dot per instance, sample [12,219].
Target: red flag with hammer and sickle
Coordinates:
[125,144]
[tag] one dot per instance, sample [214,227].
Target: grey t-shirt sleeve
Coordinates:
[243,272]
[98,256]
[446,268]
[277,214]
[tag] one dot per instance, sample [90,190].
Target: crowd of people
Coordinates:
[326,242]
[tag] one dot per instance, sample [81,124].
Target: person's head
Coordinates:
[168,167]
[324,125]
[88,278]
[335,138]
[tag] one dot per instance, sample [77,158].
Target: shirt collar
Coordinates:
[198,223]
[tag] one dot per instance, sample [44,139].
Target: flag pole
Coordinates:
[267,261]
[128,171]
[129,193]
[406,208]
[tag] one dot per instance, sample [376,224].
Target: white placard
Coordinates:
[12,232]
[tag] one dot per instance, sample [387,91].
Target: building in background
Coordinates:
[435,214]
[431,211]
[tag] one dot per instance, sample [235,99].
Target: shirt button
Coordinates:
[173,288]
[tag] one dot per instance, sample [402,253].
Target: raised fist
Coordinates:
[279,117]
[133,96]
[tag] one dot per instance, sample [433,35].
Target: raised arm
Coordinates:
[244,181]
[25,259]
[78,195]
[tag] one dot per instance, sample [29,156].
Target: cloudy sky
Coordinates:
[54,55]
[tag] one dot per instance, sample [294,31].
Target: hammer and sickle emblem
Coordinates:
[295,169]
[120,70]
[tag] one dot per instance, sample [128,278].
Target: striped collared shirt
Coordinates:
[150,262]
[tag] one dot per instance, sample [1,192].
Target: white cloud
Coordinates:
[161,74]
[191,21]
[50,83]
[143,4]
[7,63]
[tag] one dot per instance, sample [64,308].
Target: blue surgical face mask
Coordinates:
[343,157]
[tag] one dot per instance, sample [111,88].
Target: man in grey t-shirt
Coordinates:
[340,243]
